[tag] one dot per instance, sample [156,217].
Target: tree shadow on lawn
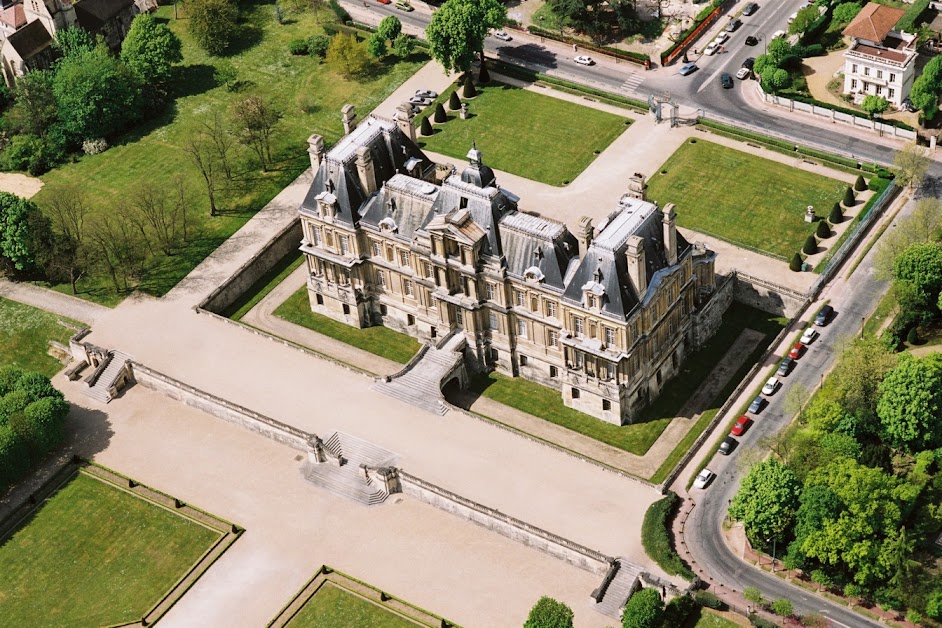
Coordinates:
[194,79]
[249,36]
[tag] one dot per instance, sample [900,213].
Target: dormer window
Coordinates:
[533,274]
[592,301]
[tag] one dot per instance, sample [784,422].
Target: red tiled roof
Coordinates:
[13,16]
[874,22]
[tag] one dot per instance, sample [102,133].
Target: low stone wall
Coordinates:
[273,251]
[218,407]
[556,546]
[767,296]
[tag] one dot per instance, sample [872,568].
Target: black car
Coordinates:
[749,62]
[733,25]
[726,80]
[750,8]
[751,41]
[824,316]
[728,445]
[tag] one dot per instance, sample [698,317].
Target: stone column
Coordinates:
[405,120]
[349,117]
[315,148]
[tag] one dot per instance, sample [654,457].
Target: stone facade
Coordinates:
[880,61]
[391,238]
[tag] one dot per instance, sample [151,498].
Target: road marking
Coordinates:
[633,81]
[831,619]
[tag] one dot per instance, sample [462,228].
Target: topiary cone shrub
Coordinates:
[454,103]
[468,90]
[811,246]
[849,198]
[836,216]
[483,77]
[913,336]
[823,230]
[426,127]
[440,115]
[860,185]
[795,264]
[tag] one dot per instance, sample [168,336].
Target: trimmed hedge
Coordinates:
[626,55]
[655,536]
[909,22]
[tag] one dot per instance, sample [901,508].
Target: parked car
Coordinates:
[750,8]
[751,41]
[421,101]
[791,18]
[687,68]
[426,93]
[502,35]
[809,336]
[722,38]
[749,62]
[785,367]
[757,404]
[405,6]
[733,25]
[711,48]
[770,386]
[384,1]
[742,424]
[726,80]
[824,316]
[728,445]
[743,73]
[796,351]
[703,478]
[584,60]
[778,34]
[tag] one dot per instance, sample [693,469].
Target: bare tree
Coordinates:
[182,199]
[67,260]
[199,148]
[222,141]
[255,120]
[156,208]
[118,247]
[67,206]
[795,399]
[919,227]
[910,166]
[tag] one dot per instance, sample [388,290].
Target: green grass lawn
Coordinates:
[710,620]
[307,92]
[637,438]
[537,137]
[94,555]
[382,341]
[25,333]
[747,200]
[265,284]
[334,607]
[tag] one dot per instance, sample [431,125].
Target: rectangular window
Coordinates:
[492,321]
[853,68]
[383,311]
[534,304]
[410,319]
[879,74]
[853,83]
[489,291]
[344,245]
[375,248]
[879,90]
[606,405]
[346,309]
[408,289]
[575,393]
[403,258]
[551,309]
[522,329]
[554,372]
[609,336]
[381,279]
[579,325]
[523,360]
[329,238]
[459,316]
[519,297]
[427,268]
[578,359]
[591,301]
[552,338]
[866,71]
[316,232]
[892,78]
[892,93]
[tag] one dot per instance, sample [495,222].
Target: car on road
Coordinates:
[750,8]
[728,445]
[722,38]
[384,1]
[752,41]
[405,6]
[502,35]
[824,316]
[726,80]
[757,404]
[703,478]
[743,73]
[797,351]
[426,93]
[733,25]
[771,386]
[778,34]
[749,62]
[809,336]
[742,424]
[711,48]
[422,101]
[584,60]
[785,367]
[687,68]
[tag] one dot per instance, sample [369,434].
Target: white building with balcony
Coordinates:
[880,61]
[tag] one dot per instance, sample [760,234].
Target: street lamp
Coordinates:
[765,43]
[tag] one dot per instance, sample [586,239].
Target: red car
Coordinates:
[384,1]
[741,426]
[796,351]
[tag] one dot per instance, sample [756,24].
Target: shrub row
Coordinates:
[655,536]
[701,17]
[627,55]
[515,71]
[878,184]
[366,28]
[910,21]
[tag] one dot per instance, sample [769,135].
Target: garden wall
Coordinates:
[767,296]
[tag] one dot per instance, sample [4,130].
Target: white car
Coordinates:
[722,38]
[584,60]
[809,336]
[778,34]
[712,47]
[770,386]
[502,35]
[791,18]
[703,478]
[743,73]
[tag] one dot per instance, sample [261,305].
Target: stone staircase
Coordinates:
[100,389]
[619,589]
[420,384]
[347,478]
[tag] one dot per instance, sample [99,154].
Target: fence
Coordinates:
[680,48]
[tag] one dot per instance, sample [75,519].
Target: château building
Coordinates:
[391,238]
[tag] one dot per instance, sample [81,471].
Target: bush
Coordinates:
[549,613]
[934,605]
[454,103]
[403,46]
[783,607]
[759,622]
[679,610]
[813,50]
[860,185]
[849,198]
[914,617]
[811,246]
[468,90]
[94,147]
[705,598]
[795,264]
[656,538]
[339,12]
[318,45]
[823,231]
[912,337]
[298,47]
[440,115]
[836,215]
[9,376]
[425,127]
[645,609]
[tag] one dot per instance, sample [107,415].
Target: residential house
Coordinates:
[880,61]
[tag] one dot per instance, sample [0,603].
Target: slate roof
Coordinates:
[874,22]
[92,15]
[30,40]
[532,242]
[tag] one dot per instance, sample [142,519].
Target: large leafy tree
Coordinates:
[926,88]
[150,50]
[645,609]
[861,366]
[34,109]
[457,31]
[918,275]
[845,12]
[804,19]
[24,232]
[348,56]
[214,24]
[910,406]
[549,613]
[766,501]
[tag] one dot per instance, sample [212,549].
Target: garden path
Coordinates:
[52,301]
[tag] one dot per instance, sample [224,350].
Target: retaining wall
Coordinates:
[707,320]
[767,296]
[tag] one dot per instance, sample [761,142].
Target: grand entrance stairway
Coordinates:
[619,589]
[421,383]
[101,388]
[342,474]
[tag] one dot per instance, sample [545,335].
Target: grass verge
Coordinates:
[335,607]
[25,332]
[265,284]
[380,341]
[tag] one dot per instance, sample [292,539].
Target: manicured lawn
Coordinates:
[266,283]
[334,607]
[307,92]
[94,555]
[710,620]
[747,200]
[382,341]
[25,333]
[527,134]
[636,438]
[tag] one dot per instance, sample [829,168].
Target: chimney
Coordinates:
[586,233]
[404,120]
[670,234]
[349,116]
[315,148]
[365,170]
[637,269]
